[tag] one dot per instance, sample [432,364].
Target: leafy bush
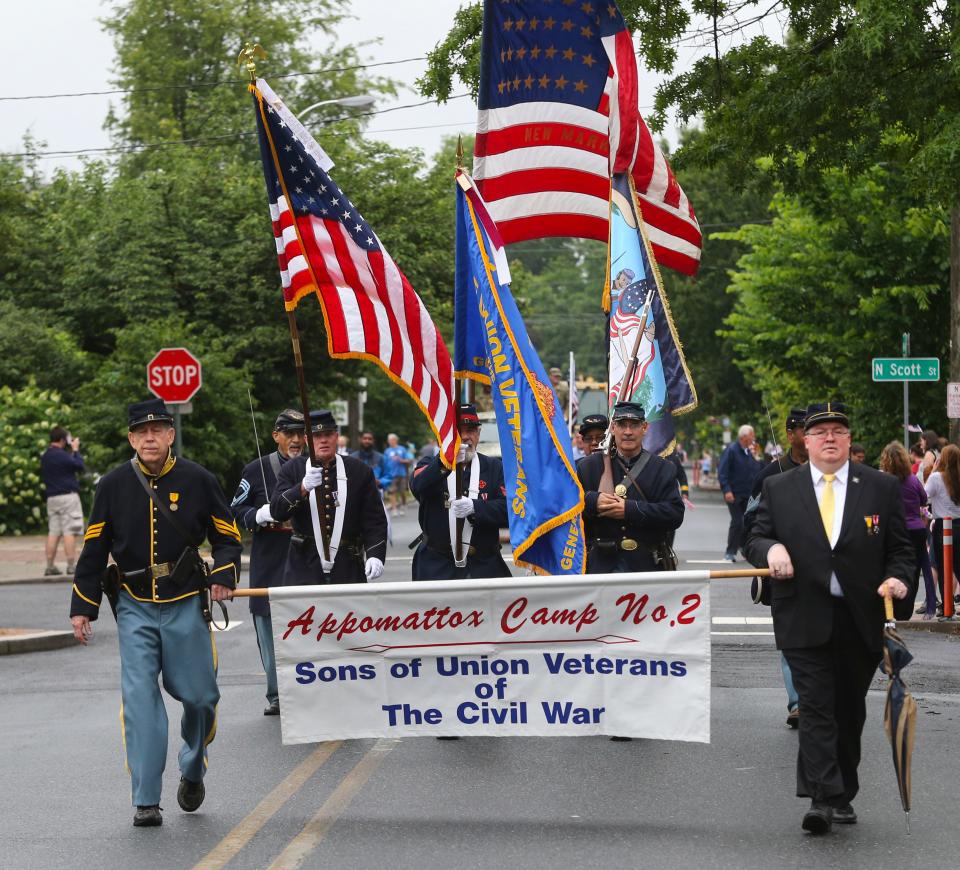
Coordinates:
[26,417]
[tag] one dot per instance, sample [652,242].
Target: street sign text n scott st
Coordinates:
[905,368]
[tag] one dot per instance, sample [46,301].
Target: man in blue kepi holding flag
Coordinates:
[626,528]
[480,506]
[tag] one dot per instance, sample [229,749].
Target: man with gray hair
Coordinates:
[738,469]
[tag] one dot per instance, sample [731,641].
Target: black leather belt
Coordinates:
[354,545]
[151,572]
[626,544]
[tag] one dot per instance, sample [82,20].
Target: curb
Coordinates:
[8,581]
[933,626]
[36,641]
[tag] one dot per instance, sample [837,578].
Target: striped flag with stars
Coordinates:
[559,115]
[324,246]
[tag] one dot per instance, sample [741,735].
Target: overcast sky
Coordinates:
[57,46]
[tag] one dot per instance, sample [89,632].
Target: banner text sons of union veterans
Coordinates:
[608,654]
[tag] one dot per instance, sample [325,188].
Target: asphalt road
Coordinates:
[476,803]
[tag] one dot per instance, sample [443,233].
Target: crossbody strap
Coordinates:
[164,510]
[275,467]
[632,475]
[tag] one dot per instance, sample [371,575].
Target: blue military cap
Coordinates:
[288,420]
[826,412]
[629,411]
[796,418]
[148,411]
[323,421]
[594,421]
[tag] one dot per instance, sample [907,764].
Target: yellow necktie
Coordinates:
[826,505]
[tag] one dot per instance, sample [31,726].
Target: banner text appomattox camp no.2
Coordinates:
[550,656]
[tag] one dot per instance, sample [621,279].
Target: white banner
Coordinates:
[617,654]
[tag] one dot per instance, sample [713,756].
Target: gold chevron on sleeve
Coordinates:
[94,531]
[226,528]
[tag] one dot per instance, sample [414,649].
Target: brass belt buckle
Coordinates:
[628,544]
[161,570]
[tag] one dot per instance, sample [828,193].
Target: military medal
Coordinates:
[621,490]
[174,497]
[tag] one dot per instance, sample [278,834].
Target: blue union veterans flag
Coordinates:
[326,247]
[544,497]
[559,113]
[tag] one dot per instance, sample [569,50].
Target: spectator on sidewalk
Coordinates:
[896,461]
[59,467]
[738,469]
[943,489]
[398,460]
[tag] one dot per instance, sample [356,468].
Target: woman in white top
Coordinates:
[943,490]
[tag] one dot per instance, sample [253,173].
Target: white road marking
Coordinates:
[743,633]
[742,620]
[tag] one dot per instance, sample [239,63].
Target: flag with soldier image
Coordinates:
[646,363]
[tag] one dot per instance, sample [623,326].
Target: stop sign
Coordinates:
[174,375]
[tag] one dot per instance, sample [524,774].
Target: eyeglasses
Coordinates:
[592,439]
[822,434]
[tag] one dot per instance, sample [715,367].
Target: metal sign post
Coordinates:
[906,395]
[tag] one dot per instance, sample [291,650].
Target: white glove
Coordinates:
[374,568]
[462,507]
[263,515]
[313,477]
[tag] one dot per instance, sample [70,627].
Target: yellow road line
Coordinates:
[233,842]
[316,829]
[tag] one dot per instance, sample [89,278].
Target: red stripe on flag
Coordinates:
[538,134]
[395,362]
[549,225]
[524,181]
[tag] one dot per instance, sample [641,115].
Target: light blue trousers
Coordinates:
[267,657]
[172,642]
[792,697]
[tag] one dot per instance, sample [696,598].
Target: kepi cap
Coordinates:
[323,421]
[594,421]
[556,370]
[826,412]
[289,419]
[628,411]
[796,418]
[467,416]
[148,411]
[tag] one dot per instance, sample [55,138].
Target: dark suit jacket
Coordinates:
[365,523]
[789,515]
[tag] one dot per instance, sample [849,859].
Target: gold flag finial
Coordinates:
[248,56]
[459,152]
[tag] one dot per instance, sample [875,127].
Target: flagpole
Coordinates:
[570,388]
[458,393]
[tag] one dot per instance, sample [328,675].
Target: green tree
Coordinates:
[820,293]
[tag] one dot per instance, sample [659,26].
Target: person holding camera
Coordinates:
[59,467]
[150,514]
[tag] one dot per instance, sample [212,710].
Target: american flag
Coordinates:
[325,246]
[559,114]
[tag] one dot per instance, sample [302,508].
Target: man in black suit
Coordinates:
[483,508]
[834,536]
[624,527]
[338,496]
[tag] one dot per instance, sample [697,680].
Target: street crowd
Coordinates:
[836,534]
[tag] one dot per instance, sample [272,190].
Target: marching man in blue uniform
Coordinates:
[271,540]
[150,515]
[482,505]
[336,501]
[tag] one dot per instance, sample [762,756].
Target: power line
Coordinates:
[202,85]
[203,140]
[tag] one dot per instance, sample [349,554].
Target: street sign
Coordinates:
[953,400]
[174,375]
[905,368]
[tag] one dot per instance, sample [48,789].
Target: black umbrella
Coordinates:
[900,713]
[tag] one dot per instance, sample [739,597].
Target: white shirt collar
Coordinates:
[840,474]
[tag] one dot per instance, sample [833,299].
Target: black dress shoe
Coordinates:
[190,794]
[818,819]
[447,737]
[272,709]
[793,718]
[618,739]
[147,817]
[845,815]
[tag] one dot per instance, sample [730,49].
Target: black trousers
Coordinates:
[832,682]
[735,532]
